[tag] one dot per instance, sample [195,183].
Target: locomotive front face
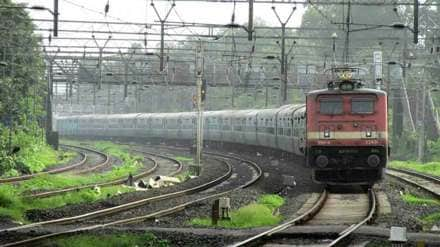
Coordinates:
[347,135]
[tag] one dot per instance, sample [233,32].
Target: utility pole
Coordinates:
[51,137]
[266,94]
[101,50]
[416,22]
[77,92]
[162,32]
[251,19]
[334,37]
[347,34]
[108,98]
[283,94]
[199,75]
[126,62]
[421,121]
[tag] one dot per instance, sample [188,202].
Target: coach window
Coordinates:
[330,106]
[362,105]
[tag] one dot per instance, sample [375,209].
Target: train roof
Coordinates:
[229,113]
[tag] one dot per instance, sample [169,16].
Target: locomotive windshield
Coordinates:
[362,105]
[330,106]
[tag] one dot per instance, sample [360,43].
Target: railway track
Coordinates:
[83,161]
[322,206]
[155,214]
[138,176]
[428,183]
[103,184]
[101,160]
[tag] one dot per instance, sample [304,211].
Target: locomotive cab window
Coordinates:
[330,106]
[362,105]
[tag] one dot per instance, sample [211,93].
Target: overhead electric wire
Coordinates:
[317,2]
[320,12]
[91,10]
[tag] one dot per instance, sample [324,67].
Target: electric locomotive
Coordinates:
[347,135]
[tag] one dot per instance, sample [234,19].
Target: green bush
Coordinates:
[405,147]
[34,154]
[433,150]
[252,215]
[271,201]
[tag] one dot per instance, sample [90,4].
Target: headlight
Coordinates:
[327,133]
[368,133]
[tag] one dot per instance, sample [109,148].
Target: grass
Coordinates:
[431,219]
[13,205]
[415,200]
[183,159]
[427,220]
[131,164]
[117,240]
[83,196]
[261,213]
[431,168]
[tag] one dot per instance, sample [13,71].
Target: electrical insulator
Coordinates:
[107,7]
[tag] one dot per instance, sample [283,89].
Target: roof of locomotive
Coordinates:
[337,91]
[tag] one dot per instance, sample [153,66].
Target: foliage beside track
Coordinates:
[412,199]
[405,148]
[430,219]
[183,159]
[13,205]
[431,168]
[83,196]
[130,164]
[261,213]
[22,89]
[33,154]
[88,240]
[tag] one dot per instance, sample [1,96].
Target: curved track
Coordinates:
[102,160]
[116,181]
[428,183]
[158,213]
[103,184]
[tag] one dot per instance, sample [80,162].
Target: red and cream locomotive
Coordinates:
[347,138]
